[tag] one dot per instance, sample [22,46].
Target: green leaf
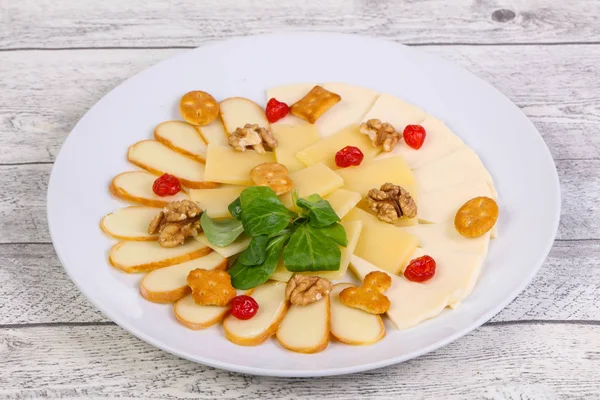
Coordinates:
[295,197]
[309,249]
[256,253]
[320,212]
[262,211]
[245,277]
[337,233]
[221,232]
[235,209]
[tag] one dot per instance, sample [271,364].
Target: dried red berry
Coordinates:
[414,136]
[243,307]
[348,156]
[276,110]
[166,185]
[420,269]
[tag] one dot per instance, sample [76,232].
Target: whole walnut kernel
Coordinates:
[303,290]
[383,135]
[391,202]
[176,222]
[251,135]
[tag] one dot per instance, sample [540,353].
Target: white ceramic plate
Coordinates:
[509,145]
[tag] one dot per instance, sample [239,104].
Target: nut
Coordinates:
[211,287]
[176,222]
[383,135]
[273,175]
[391,202]
[251,135]
[369,297]
[303,290]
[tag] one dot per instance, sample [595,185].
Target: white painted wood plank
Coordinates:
[524,361]
[67,23]
[35,289]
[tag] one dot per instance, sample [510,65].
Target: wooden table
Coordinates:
[59,57]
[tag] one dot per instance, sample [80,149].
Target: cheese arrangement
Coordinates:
[260,220]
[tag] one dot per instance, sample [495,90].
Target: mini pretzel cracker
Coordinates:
[198,108]
[211,288]
[273,175]
[369,297]
[314,104]
[476,217]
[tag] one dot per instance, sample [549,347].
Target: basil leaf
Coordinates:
[311,250]
[221,232]
[262,211]
[337,233]
[246,277]
[320,212]
[256,253]
[235,209]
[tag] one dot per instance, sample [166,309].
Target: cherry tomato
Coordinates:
[414,136]
[166,185]
[348,156]
[276,110]
[244,307]
[420,269]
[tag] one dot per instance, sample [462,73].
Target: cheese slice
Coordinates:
[225,165]
[272,307]
[382,244]
[239,111]
[441,205]
[290,94]
[439,142]
[443,236]
[195,316]
[215,202]
[136,186]
[239,245]
[182,137]
[290,140]
[317,178]
[350,325]
[214,133]
[325,150]
[355,103]
[305,329]
[457,167]
[342,201]
[413,302]
[395,111]
[281,273]
[130,223]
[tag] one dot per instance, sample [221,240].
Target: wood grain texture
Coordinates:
[35,289]
[528,361]
[559,91]
[137,23]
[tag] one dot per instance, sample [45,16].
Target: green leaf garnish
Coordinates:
[319,211]
[235,209]
[256,253]
[309,249]
[262,211]
[337,233]
[221,232]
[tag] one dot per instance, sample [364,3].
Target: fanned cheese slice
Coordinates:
[159,159]
[130,223]
[136,186]
[290,94]
[225,165]
[395,111]
[215,202]
[146,256]
[182,137]
[196,317]
[305,329]
[350,110]
[342,201]
[239,245]
[443,236]
[290,140]
[351,325]
[238,111]
[316,179]
[214,133]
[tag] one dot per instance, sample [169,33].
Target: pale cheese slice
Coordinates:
[439,142]
[130,223]
[316,179]
[281,273]
[325,150]
[395,111]
[215,202]
[289,94]
[342,201]
[225,165]
[137,186]
[236,112]
[182,137]
[290,140]
[305,329]
[239,245]
[355,103]
[195,316]
[214,133]
[444,236]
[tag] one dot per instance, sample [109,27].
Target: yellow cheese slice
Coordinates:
[441,205]
[214,133]
[130,223]
[305,329]
[380,243]
[317,178]
[439,142]
[342,201]
[238,111]
[225,165]
[290,94]
[182,137]
[239,245]
[325,150]
[281,274]
[395,111]
[215,201]
[350,110]
[290,140]
[444,236]
[350,325]
[137,186]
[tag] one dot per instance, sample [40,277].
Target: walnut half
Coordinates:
[251,135]
[176,222]
[383,135]
[303,290]
[391,202]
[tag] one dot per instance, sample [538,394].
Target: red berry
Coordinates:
[276,110]
[243,307]
[420,269]
[166,185]
[414,136]
[348,156]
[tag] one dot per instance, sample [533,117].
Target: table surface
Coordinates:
[59,57]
